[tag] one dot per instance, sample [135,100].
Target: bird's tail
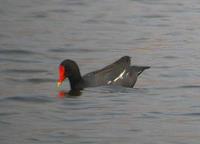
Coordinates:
[139,69]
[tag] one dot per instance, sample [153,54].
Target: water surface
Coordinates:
[163,108]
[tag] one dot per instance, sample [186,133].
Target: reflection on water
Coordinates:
[35,36]
[71,93]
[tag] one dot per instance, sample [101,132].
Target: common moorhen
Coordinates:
[119,73]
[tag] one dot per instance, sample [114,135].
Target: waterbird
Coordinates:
[119,73]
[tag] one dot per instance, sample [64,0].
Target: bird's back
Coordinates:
[108,74]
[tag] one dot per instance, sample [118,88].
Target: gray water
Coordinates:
[36,35]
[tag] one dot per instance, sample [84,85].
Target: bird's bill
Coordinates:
[59,84]
[62,75]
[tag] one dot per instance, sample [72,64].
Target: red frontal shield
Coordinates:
[62,75]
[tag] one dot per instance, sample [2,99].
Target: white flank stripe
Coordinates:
[109,82]
[120,76]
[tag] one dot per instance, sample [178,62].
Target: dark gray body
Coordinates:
[119,73]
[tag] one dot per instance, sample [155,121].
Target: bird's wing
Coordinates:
[110,72]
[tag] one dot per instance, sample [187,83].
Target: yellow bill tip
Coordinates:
[59,84]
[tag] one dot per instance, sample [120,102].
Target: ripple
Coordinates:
[95,21]
[34,139]
[61,50]
[162,67]
[40,80]
[170,57]
[190,86]
[195,106]
[7,113]
[190,114]
[167,75]
[147,116]
[157,113]
[75,3]
[176,114]
[155,16]
[18,60]
[33,80]
[115,113]
[16,51]
[29,71]
[31,99]
[40,14]
[77,119]
[4,122]
[113,89]
[60,11]
[3,35]
[135,130]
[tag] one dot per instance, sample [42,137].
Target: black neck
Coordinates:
[73,73]
[76,82]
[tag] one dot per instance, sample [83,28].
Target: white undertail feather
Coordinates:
[109,82]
